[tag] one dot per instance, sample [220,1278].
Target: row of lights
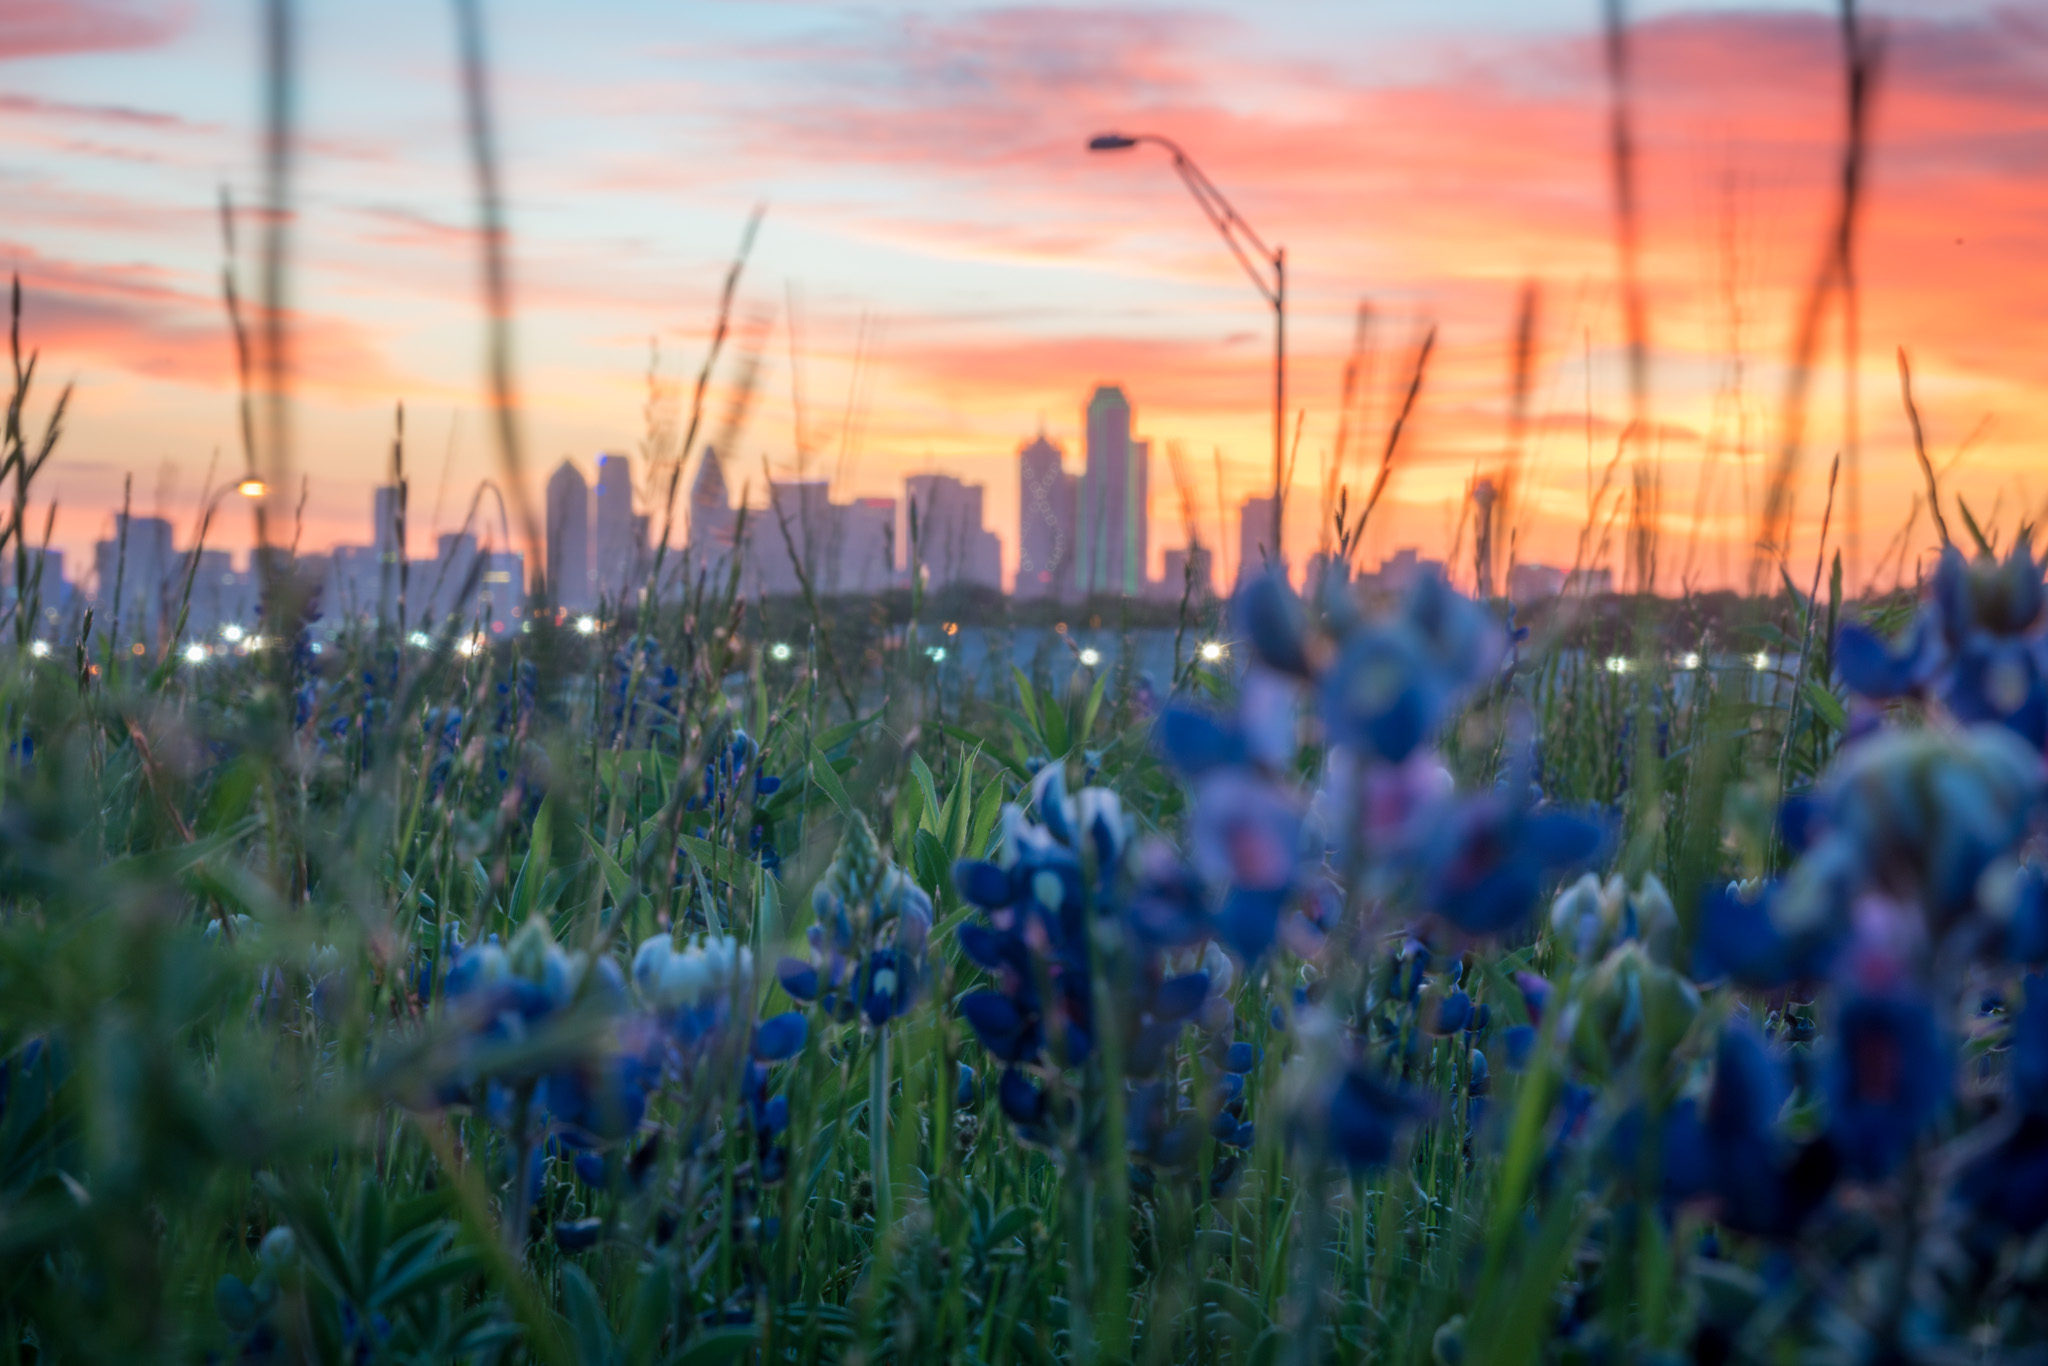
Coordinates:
[1211,652]
[1621,664]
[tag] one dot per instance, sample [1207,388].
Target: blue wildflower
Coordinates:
[868,945]
[1484,865]
[1887,1080]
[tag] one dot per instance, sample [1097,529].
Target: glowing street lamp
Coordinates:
[1090,657]
[1244,244]
[1212,651]
[252,487]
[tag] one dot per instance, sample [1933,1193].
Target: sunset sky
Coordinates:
[930,204]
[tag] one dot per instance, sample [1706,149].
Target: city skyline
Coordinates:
[951,263]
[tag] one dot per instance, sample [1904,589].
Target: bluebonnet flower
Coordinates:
[1338,1104]
[1591,917]
[1980,646]
[1484,862]
[1737,936]
[1395,680]
[1051,880]
[1246,825]
[868,945]
[2002,1180]
[1926,812]
[2021,911]
[1730,1151]
[1887,1079]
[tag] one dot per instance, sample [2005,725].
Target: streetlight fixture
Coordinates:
[1244,244]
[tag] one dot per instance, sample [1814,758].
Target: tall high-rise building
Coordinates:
[387,522]
[866,551]
[712,519]
[1255,538]
[618,555]
[1045,522]
[1113,500]
[139,562]
[568,546]
[801,519]
[952,545]
[1174,582]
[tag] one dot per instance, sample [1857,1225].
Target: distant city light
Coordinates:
[780,651]
[1761,660]
[231,633]
[952,628]
[1090,657]
[256,642]
[1616,664]
[39,648]
[469,646]
[1211,651]
[586,626]
[252,487]
[1689,660]
[936,653]
[419,640]
[314,647]
[1060,626]
[195,653]
[136,648]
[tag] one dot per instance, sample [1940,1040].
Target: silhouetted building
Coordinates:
[865,561]
[1113,500]
[1174,582]
[712,518]
[133,572]
[1046,521]
[1255,550]
[618,548]
[568,547]
[952,545]
[1534,582]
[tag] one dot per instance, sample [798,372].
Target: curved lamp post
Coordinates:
[1244,244]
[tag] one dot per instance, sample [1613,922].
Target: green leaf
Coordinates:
[967,737]
[838,735]
[928,816]
[616,879]
[1057,740]
[717,1347]
[1026,696]
[828,782]
[1094,705]
[1826,705]
[587,1325]
[930,857]
[526,890]
[988,808]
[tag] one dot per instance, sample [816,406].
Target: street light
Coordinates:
[1232,227]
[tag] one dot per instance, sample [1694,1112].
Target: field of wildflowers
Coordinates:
[1392,984]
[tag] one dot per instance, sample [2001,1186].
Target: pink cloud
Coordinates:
[53,28]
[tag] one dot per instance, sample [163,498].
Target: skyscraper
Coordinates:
[139,563]
[618,556]
[568,547]
[866,559]
[1113,500]
[1045,522]
[952,545]
[711,514]
[387,516]
[1254,537]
